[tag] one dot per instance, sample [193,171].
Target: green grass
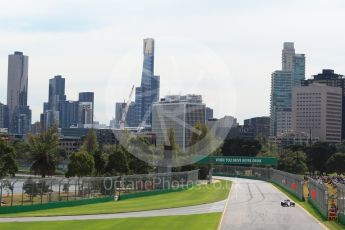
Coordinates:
[200,194]
[189,222]
[313,211]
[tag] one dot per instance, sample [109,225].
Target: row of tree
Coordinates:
[43,155]
[320,157]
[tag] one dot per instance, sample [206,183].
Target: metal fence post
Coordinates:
[0,193]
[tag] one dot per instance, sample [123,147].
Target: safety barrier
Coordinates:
[20,192]
[62,204]
[241,171]
[291,182]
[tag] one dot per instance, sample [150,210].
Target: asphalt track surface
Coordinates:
[255,204]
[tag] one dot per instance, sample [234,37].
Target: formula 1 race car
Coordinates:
[287,203]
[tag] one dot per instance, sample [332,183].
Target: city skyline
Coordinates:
[89,61]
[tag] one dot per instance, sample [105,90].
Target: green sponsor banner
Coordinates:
[236,160]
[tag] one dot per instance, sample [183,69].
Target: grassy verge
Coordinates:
[200,194]
[313,211]
[189,222]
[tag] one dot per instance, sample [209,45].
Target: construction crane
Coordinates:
[122,122]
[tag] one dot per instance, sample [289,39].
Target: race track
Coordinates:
[255,204]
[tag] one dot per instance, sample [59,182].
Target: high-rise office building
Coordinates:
[298,69]
[131,118]
[260,125]
[88,97]
[293,62]
[328,77]
[149,89]
[85,113]
[21,120]
[209,113]
[68,114]
[140,113]
[56,95]
[119,109]
[49,118]
[180,113]
[288,54]
[282,81]
[56,92]
[280,108]
[4,116]
[17,86]
[317,109]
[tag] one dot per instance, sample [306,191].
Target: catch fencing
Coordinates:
[341,202]
[291,182]
[318,196]
[33,190]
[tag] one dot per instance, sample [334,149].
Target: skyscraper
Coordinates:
[21,120]
[294,63]
[68,113]
[260,125]
[288,54]
[56,92]
[328,77]
[85,113]
[140,112]
[316,109]
[3,116]
[209,113]
[119,109]
[280,108]
[50,118]
[298,69]
[17,89]
[88,97]
[282,81]
[180,113]
[56,95]
[150,83]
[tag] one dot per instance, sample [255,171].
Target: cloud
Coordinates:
[235,45]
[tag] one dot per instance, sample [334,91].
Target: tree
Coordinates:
[22,150]
[317,156]
[100,163]
[293,162]
[8,165]
[142,153]
[267,153]
[90,144]
[43,152]
[81,164]
[295,148]
[340,147]
[336,163]
[117,161]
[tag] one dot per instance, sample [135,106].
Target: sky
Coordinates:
[224,50]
